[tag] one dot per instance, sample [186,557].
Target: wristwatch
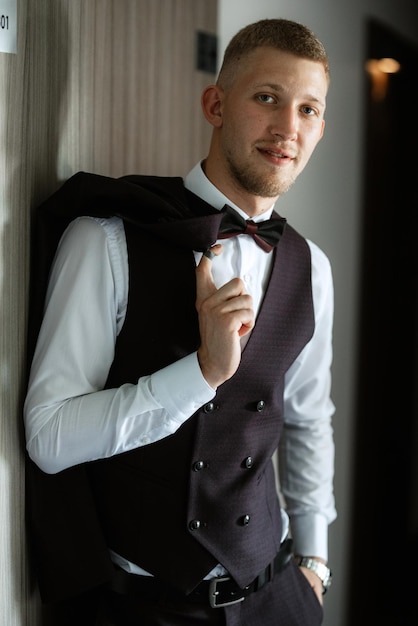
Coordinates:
[320,569]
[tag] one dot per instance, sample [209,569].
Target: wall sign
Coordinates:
[8,26]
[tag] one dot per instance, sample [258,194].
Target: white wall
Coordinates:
[325,205]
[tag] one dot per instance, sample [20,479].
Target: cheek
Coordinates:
[244,119]
[311,141]
[237,131]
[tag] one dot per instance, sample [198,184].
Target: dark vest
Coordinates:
[207,493]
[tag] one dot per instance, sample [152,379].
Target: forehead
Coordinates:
[283,70]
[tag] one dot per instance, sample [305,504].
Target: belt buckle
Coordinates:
[214,593]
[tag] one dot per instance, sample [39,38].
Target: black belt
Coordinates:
[217,592]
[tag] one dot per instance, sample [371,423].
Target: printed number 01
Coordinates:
[4,22]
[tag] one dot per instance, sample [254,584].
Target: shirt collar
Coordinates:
[197,182]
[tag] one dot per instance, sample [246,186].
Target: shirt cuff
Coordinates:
[180,388]
[310,535]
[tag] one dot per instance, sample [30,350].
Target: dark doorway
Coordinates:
[384,548]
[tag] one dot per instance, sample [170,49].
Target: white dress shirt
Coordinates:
[71,419]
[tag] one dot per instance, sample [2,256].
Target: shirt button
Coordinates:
[245,520]
[209,407]
[261,405]
[248,462]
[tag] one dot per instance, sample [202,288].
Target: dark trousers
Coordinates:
[287,600]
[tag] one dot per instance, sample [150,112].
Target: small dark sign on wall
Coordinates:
[207,52]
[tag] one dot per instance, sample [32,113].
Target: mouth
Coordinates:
[276,155]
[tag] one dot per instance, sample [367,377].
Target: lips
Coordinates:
[277,154]
[280,155]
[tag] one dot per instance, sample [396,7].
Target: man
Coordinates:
[175,356]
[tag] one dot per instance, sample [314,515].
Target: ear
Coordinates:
[211,102]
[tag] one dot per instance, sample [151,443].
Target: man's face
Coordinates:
[272,119]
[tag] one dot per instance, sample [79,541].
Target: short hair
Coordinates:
[279,33]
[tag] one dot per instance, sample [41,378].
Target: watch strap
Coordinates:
[320,569]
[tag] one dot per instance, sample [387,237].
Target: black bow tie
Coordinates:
[266,234]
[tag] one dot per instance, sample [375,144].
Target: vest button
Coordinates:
[199,465]
[261,405]
[245,520]
[194,524]
[209,407]
[249,462]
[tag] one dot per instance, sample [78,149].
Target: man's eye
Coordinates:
[264,97]
[308,110]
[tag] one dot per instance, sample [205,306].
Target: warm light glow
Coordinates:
[388,65]
[385,65]
[379,70]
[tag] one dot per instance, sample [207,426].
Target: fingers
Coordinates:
[205,286]
[225,315]
[224,318]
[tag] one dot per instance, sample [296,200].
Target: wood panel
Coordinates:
[107,86]
[132,89]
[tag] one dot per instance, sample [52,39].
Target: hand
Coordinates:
[315,582]
[225,315]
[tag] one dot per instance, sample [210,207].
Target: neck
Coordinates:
[252,205]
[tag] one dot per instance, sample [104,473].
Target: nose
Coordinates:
[284,125]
